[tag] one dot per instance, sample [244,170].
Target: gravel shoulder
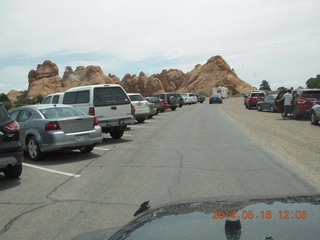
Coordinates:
[297,141]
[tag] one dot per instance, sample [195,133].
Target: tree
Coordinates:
[265,85]
[282,89]
[313,82]
[3,97]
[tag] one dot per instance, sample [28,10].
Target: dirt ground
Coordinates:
[297,141]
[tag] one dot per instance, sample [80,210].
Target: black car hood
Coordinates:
[276,218]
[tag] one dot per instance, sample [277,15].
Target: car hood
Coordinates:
[271,218]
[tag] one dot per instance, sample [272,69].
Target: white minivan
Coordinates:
[108,102]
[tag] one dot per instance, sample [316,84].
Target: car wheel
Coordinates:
[201,102]
[173,108]
[141,120]
[13,171]
[295,114]
[150,116]
[157,112]
[86,149]
[271,108]
[116,134]
[33,149]
[314,120]
[162,110]
[249,107]
[259,108]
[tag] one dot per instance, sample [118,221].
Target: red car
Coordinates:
[303,101]
[253,98]
[164,104]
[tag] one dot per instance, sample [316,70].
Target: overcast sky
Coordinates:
[273,40]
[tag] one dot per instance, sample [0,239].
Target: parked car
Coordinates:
[164,105]
[268,104]
[47,128]
[215,98]
[180,99]
[171,98]
[141,105]
[11,153]
[200,98]
[108,102]
[156,101]
[315,113]
[189,98]
[53,98]
[152,110]
[303,100]
[253,98]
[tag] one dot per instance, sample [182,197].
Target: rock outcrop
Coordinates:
[215,72]
[13,94]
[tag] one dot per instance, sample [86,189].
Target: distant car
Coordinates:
[47,128]
[189,98]
[200,98]
[152,110]
[164,105]
[53,98]
[253,98]
[156,101]
[268,104]
[11,153]
[141,105]
[215,98]
[171,98]
[303,100]
[315,113]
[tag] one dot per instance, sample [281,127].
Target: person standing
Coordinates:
[287,97]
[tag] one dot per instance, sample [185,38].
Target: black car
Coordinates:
[215,98]
[268,104]
[11,153]
[200,98]
[171,98]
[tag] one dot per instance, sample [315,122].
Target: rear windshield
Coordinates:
[136,98]
[106,96]
[191,95]
[153,100]
[257,94]
[311,94]
[61,112]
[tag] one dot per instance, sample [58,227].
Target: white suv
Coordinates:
[141,106]
[108,102]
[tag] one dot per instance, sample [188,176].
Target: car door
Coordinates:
[22,117]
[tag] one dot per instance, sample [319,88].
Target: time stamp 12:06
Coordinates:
[265,214]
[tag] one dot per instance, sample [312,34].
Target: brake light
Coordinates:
[92,111]
[301,101]
[95,122]
[14,126]
[52,126]
[133,110]
[20,157]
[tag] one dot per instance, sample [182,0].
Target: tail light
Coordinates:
[301,101]
[95,122]
[11,127]
[20,157]
[52,126]
[92,111]
[133,110]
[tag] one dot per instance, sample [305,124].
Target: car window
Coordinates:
[76,97]
[24,115]
[257,94]
[47,100]
[14,115]
[311,94]
[136,98]
[191,95]
[51,113]
[55,99]
[110,96]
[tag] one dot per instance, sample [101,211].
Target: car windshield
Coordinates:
[136,98]
[61,112]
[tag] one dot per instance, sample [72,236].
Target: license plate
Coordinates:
[113,124]
[81,138]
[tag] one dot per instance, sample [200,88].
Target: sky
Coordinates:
[273,40]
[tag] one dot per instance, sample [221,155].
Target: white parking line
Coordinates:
[103,149]
[128,135]
[50,170]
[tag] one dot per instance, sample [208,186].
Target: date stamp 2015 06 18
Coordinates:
[264,214]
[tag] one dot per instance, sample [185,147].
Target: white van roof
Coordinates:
[92,86]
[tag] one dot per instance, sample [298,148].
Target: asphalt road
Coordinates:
[194,153]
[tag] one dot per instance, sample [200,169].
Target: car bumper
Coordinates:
[11,158]
[60,141]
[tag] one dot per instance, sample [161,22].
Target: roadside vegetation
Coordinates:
[21,100]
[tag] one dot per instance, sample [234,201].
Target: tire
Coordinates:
[33,149]
[295,115]
[150,116]
[249,107]
[162,110]
[314,120]
[271,108]
[201,102]
[140,120]
[173,108]
[13,171]
[259,108]
[157,112]
[116,134]
[86,149]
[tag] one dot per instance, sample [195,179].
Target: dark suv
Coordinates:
[11,153]
[171,98]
